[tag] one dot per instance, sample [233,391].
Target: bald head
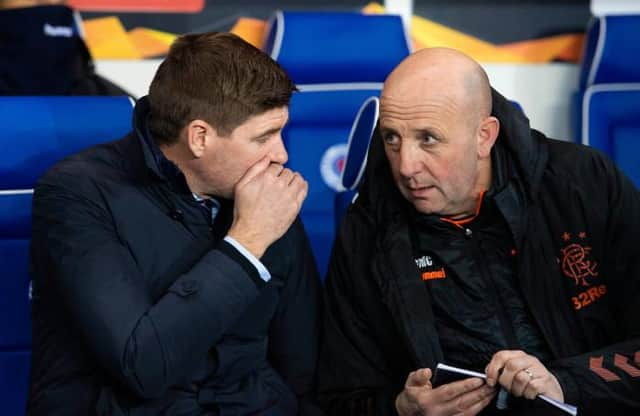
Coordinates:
[442,72]
[437,131]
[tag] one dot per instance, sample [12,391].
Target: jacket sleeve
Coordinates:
[148,344]
[607,380]
[295,329]
[358,374]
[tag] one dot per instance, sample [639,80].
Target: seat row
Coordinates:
[338,61]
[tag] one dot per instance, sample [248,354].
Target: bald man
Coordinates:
[480,243]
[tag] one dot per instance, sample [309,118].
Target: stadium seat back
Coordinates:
[338,61]
[36,133]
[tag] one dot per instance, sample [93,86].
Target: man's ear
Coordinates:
[200,134]
[487,135]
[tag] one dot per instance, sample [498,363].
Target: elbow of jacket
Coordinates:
[144,371]
[152,392]
[147,388]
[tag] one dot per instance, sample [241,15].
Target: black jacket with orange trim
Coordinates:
[578,267]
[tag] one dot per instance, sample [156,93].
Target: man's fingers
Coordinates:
[463,402]
[286,176]
[522,374]
[419,378]
[513,373]
[521,379]
[254,171]
[450,391]
[295,177]
[298,187]
[479,405]
[533,388]
[275,169]
[303,191]
[464,397]
[496,366]
[472,397]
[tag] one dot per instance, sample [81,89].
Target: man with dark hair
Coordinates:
[42,52]
[480,243]
[171,272]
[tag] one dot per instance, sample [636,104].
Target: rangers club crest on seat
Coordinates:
[332,165]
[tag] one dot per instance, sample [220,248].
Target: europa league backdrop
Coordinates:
[491,31]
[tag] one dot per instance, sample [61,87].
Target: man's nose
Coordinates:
[278,152]
[408,164]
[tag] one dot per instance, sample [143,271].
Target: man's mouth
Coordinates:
[419,191]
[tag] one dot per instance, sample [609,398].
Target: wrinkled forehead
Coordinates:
[413,107]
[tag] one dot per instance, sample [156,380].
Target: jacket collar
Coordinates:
[520,152]
[155,161]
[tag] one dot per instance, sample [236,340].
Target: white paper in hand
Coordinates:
[447,374]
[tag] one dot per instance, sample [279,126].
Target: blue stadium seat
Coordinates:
[611,123]
[608,102]
[356,157]
[337,60]
[36,132]
[609,55]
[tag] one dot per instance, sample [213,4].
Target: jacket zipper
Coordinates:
[505,322]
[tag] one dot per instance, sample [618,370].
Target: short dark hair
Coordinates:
[216,77]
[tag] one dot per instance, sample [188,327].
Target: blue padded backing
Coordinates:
[613,123]
[332,106]
[360,137]
[61,125]
[338,60]
[576,115]
[15,216]
[36,132]
[589,50]
[306,146]
[14,381]
[331,47]
[517,106]
[608,109]
[612,51]
[15,232]
[15,314]
[626,151]
[318,129]
[318,120]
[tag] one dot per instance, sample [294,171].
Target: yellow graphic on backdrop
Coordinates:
[108,39]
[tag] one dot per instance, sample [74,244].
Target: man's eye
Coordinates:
[429,139]
[263,139]
[390,138]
